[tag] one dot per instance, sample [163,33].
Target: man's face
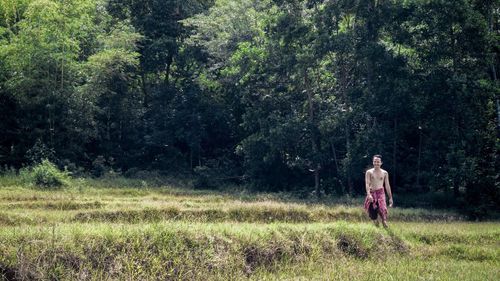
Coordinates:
[377,162]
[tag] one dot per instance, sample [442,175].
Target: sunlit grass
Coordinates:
[134,205]
[128,229]
[394,268]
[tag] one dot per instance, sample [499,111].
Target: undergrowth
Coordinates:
[45,174]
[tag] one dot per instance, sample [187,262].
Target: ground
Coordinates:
[115,230]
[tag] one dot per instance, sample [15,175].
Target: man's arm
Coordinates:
[388,188]
[368,179]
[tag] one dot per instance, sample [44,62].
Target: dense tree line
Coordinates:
[286,95]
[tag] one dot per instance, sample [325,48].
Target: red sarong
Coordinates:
[378,198]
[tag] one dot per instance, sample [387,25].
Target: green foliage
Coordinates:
[99,166]
[39,152]
[288,95]
[45,175]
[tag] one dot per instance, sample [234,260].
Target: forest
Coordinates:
[282,96]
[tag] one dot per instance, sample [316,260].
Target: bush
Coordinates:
[45,174]
[99,166]
[204,178]
[36,154]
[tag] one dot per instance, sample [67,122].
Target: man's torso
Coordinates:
[376,179]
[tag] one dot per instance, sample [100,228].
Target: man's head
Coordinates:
[377,160]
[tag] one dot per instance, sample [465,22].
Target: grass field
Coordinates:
[126,230]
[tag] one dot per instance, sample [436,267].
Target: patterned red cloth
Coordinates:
[378,197]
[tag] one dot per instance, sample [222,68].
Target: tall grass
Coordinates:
[180,250]
[128,230]
[194,251]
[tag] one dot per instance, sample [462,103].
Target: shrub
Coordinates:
[39,152]
[45,174]
[99,166]
[205,177]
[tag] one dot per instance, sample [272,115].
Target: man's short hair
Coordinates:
[377,156]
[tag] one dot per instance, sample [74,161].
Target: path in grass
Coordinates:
[90,233]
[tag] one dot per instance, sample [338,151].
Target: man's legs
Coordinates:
[382,211]
[383,217]
[376,223]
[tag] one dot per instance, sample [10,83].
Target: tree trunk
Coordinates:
[314,138]
[494,71]
[167,70]
[191,158]
[456,188]
[394,153]
[343,84]
[316,180]
[62,65]
[335,159]
[144,89]
[419,155]
[350,185]
[342,186]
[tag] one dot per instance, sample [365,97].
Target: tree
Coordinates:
[40,62]
[113,89]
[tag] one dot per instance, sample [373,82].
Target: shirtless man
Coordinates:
[374,184]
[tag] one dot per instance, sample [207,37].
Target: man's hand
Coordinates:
[370,198]
[390,202]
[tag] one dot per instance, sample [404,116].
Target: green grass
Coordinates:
[131,230]
[392,268]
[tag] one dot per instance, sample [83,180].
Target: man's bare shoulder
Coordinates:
[384,172]
[370,171]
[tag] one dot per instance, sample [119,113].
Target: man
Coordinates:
[375,195]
